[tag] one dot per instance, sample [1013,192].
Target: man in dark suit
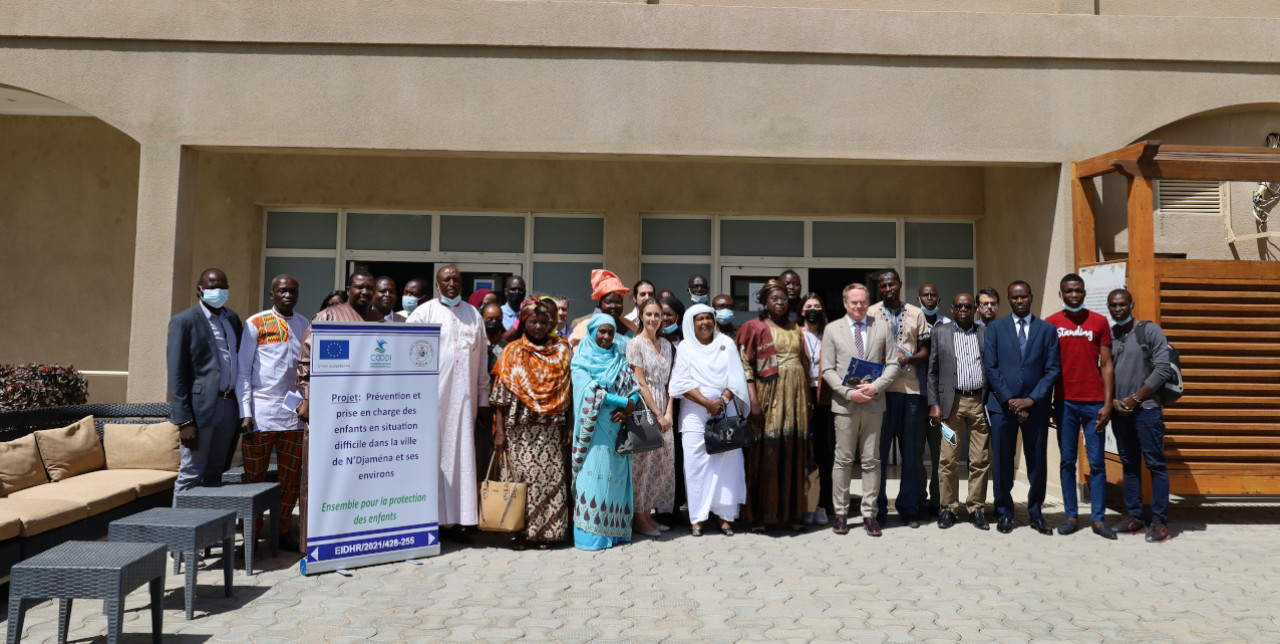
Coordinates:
[1020,359]
[957,387]
[204,341]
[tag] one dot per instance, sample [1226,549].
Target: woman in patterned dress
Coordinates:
[773,355]
[604,393]
[529,397]
[653,473]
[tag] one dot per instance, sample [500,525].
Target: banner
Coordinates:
[373,450]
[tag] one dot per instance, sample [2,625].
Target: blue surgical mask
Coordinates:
[1069,309]
[214,297]
[671,329]
[1125,321]
[699,299]
[724,316]
[932,311]
[451,301]
[410,303]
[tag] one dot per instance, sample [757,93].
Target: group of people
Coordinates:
[558,392]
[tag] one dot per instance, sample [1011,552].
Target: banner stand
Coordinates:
[373,461]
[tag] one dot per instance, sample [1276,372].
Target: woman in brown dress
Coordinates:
[529,397]
[773,355]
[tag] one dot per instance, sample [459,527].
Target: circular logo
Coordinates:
[422,353]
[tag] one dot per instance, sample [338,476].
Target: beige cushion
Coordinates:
[10,523]
[70,450]
[141,447]
[143,482]
[20,465]
[42,515]
[95,496]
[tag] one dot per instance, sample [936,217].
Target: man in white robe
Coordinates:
[463,386]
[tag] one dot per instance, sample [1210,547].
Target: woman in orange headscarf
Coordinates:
[529,398]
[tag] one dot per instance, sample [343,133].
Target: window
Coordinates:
[554,252]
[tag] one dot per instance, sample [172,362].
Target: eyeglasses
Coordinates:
[986,305]
[962,307]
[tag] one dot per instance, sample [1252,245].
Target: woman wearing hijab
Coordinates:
[529,398]
[653,473]
[822,432]
[708,373]
[773,355]
[481,298]
[604,393]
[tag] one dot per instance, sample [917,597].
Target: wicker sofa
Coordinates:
[131,470]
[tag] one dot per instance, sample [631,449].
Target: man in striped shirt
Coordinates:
[958,385]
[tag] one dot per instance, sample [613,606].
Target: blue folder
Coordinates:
[861,371]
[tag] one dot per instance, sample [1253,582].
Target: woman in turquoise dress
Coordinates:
[604,393]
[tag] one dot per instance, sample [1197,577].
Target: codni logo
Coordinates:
[380,357]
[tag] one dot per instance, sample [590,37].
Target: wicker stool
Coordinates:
[248,501]
[88,570]
[184,531]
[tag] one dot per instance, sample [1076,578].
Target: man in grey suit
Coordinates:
[204,341]
[957,388]
[858,410]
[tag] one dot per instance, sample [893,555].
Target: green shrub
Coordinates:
[31,386]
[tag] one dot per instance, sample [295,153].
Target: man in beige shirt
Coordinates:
[858,408]
[905,401]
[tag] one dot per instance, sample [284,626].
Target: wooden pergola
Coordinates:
[1223,316]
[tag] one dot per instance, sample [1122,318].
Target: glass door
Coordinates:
[743,283]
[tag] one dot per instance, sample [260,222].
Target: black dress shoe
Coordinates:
[1040,526]
[1067,527]
[979,521]
[911,522]
[1005,526]
[1103,530]
[871,526]
[947,519]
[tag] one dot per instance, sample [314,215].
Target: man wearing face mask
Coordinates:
[202,355]
[463,387]
[699,289]
[514,295]
[415,292]
[1082,401]
[723,305]
[791,282]
[930,434]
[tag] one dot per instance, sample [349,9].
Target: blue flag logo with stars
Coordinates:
[335,349]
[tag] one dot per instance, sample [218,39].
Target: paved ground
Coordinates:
[1218,581]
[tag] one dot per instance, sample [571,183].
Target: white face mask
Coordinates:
[214,297]
[451,301]
[410,303]
[699,299]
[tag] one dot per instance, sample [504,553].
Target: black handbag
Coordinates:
[724,434]
[640,431]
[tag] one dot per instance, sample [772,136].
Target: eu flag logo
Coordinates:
[335,349]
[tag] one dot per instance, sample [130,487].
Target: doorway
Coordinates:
[474,276]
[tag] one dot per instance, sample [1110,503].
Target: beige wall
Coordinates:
[1200,236]
[69,189]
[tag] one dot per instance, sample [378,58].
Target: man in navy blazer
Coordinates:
[1020,359]
[204,341]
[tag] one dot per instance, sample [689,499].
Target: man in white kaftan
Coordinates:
[463,386]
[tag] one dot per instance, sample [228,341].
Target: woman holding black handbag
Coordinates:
[709,374]
[653,473]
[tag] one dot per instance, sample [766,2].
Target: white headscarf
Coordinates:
[715,365]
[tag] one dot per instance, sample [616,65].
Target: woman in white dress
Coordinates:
[709,374]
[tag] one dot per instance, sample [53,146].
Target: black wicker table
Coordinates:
[248,501]
[185,531]
[88,570]
[238,475]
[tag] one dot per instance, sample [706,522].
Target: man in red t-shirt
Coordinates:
[1082,401]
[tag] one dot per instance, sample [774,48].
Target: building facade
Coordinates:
[141,142]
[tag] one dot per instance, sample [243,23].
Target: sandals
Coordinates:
[726,529]
[696,530]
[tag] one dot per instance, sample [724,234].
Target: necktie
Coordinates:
[1022,336]
[857,338]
